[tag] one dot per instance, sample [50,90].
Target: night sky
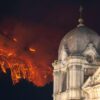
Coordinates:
[41,24]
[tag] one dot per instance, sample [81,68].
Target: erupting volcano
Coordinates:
[22,62]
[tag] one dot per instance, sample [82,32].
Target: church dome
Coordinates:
[75,41]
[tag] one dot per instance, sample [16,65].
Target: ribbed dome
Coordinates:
[77,40]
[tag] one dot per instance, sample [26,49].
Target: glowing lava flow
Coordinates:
[32,50]
[21,64]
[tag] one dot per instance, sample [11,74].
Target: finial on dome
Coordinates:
[80,20]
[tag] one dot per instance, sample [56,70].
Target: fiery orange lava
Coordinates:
[21,65]
[32,50]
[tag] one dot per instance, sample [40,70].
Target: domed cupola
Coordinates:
[77,40]
[79,57]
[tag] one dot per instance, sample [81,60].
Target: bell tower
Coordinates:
[77,60]
[68,78]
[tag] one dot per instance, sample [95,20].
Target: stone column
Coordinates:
[67,79]
[56,82]
[75,82]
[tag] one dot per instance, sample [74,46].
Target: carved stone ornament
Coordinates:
[90,52]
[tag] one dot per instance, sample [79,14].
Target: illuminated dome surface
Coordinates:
[77,40]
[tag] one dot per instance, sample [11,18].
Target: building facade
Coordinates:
[77,71]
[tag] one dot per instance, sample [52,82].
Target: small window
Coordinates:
[64,82]
[89,58]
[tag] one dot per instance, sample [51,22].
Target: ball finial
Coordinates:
[80,20]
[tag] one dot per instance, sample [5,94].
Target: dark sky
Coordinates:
[42,24]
